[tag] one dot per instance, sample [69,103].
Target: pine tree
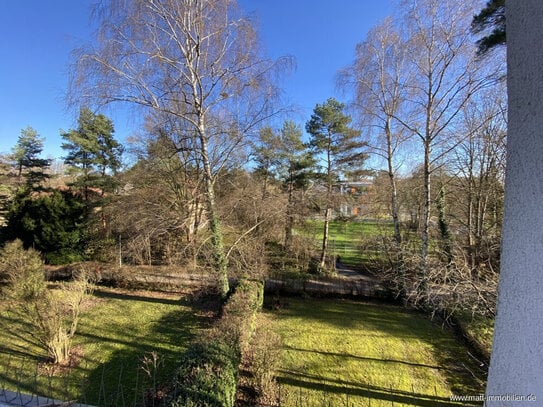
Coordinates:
[492,16]
[337,144]
[26,154]
[93,152]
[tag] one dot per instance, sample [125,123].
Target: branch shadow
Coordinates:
[452,361]
[369,392]
[131,375]
[370,359]
[108,294]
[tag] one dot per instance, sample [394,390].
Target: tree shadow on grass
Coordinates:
[370,359]
[116,343]
[109,294]
[141,365]
[371,320]
[326,386]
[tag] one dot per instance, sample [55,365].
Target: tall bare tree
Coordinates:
[377,79]
[445,76]
[479,162]
[196,60]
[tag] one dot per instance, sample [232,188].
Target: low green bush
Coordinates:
[208,372]
[207,376]
[262,361]
[239,314]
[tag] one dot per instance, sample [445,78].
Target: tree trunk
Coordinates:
[394,191]
[322,262]
[397,255]
[469,226]
[443,224]
[425,221]
[290,217]
[219,257]
[328,211]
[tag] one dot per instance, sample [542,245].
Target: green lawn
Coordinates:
[479,329]
[348,239]
[118,331]
[338,351]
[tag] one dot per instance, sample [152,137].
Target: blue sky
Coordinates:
[37,36]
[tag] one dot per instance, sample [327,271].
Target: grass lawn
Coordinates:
[117,332]
[339,352]
[478,329]
[347,238]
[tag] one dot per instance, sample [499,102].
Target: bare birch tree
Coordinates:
[445,76]
[196,60]
[479,162]
[377,79]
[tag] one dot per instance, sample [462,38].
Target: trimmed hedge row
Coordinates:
[208,371]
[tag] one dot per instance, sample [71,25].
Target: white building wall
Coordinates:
[516,367]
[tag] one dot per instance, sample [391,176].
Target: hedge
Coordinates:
[207,376]
[208,371]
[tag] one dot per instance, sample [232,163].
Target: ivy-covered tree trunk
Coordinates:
[425,237]
[396,254]
[393,188]
[220,261]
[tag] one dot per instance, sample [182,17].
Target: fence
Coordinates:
[27,383]
[326,287]
[20,389]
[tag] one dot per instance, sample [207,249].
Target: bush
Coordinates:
[22,270]
[54,224]
[239,313]
[262,360]
[207,376]
[208,372]
[51,318]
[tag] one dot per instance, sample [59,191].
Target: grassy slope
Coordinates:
[347,238]
[117,331]
[369,353]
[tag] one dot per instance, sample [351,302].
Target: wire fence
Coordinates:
[26,383]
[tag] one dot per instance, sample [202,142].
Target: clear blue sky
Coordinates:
[37,36]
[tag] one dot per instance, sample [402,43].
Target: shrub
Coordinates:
[51,318]
[54,224]
[207,376]
[208,371]
[239,313]
[262,360]
[22,270]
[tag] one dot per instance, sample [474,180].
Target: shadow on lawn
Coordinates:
[108,294]
[368,359]
[463,374]
[144,365]
[339,387]
[115,345]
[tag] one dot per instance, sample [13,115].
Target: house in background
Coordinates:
[354,197]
